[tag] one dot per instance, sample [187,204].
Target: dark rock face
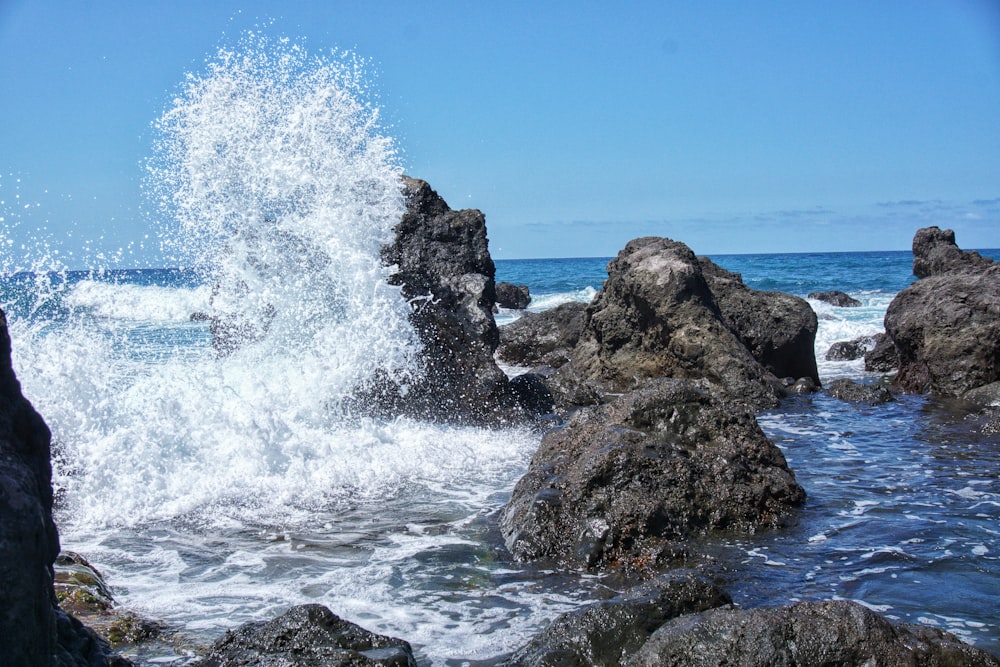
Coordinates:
[445,270]
[882,358]
[778,329]
[513,296]
[835,298]
[656,316]
[34,630]
[603,632]
[542,339]
[855,392]
[946,326]
[620,482]
[307,636]
[849,350]
[807,634]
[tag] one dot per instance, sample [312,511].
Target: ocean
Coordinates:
[212,491]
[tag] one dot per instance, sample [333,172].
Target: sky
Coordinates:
[735,127]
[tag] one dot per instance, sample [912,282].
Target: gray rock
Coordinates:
[307,636]
[935,252]
[882,358]
[855,392]
[512,296]
[849,350]
[835,298]
[620,483]
[542,339]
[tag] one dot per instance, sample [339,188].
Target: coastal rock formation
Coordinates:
[654,317]
[882,358]
[855,392]
[620,483]
[446,272]
[604,632]
[807,634]
[835,298]
[34,630]
[513,296]
[849,350]
[306,636]
[542,339]
[946,326]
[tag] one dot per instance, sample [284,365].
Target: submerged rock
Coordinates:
[620,483]
[945,327]
[512,296]
[855,392]
[835,298]
[307,636]
[542,339]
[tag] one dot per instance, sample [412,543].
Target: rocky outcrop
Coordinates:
[945,327]
[849,350]
[835,298]
[307,636]
[446,272]
[882,358]
[855,392]
[620,483]
[807,634]
[604,632]
[516,297]
[655,317]
[542,339]
[33,629]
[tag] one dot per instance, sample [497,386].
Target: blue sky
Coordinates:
[575,126]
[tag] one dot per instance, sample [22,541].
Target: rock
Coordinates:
[530,391]
[882,358]
[307,636]
[655,317]
[849,350]
[619,483]
[835,298]
[946,325]
[778,329]
[34,630]
[803,386]
[542,339]
[935,253]
[446,272]
[513,296]
[987,395]
[603,632]
[807,634]
[855,392]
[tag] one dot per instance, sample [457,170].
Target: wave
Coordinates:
[140,303]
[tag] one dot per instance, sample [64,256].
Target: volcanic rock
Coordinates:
[620,483]
[946,325]
[307,636]
[849,350]
[542,339]
[512,296]
[882,358]
[855,392]
[835,298]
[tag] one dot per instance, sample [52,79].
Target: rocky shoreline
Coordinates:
[655,383]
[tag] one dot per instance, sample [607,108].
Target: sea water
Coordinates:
[213,487]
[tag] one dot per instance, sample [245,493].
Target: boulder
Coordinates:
[619,484]
[855,392]
[445,270]
[33,629]
[882,358]
[512,296]
[849,350]
[307,636]
[806,634]
[835,298]
[946,325]
[542,339]
[778,329]
[603,632]
[655,317]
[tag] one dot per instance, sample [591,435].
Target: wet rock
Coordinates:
[807,634]
[530,391]
[882,358]
[619,483]
[835,298]
[855,392]
[986,396]
[849,350]
[655,317]
[33,629]
[512,296]
[307,636]
[603,632]
[778,329]
[542,339]
[946,325]
[803,386]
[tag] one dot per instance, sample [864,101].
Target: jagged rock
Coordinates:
[882,358]
[855,392]
[620,482]
[849,350]
[307,636]
[778,329]
[835,298]
[603,632]
[34,630]
[655,317]
[807,634]
[946,325]
[513,296]
[542,339]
